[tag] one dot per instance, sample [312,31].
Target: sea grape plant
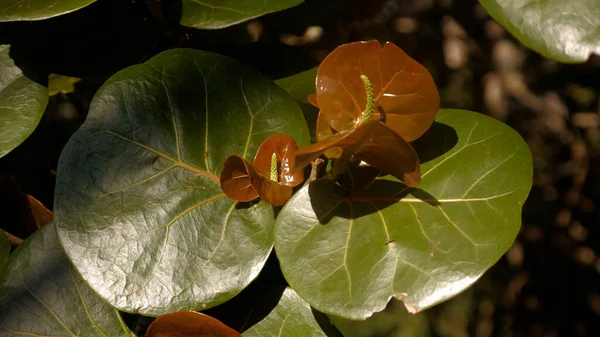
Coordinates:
[191,167]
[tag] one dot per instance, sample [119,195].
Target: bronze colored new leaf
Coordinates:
[374,143]
[189,324]
[244,182]
[404,90]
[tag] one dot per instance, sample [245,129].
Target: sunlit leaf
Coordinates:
[20,10]
[374,143]
[567,31]
[22,103]
[189,324]
[215,14]
[292,317]
[244,182]
[405,95]
[347,254]
[139,207]
[41,294]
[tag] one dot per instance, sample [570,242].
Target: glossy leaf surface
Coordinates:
[241,182]
[4,249]
[285,148]
[566,31]
[189,324]
[22,103]
[41,294]
[292,317]
[404,89]
[374,143]
[347,255]
[20,10]
[138,205]
[215,14]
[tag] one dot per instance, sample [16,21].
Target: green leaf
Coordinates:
[300,85]
[58,84]
[21,10]
[567,31]
[138,205]
[22,103]
[291,317]
[4,249]
[348,254]
[41,294]
[215,14]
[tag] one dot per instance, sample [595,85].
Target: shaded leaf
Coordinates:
[19,10]
[324,131]
[372,142]
[189,323]
[60,84]
[41,215]
[41,294]
[403,89]
[138,205]
[22,103]
[4,248]
[566,31]
[291,317]
[300,85]
[347,255]
[215,14]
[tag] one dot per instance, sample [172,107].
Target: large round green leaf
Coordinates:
[22,103]
[215,14]
[41,294]
[20,10]
[291,317]
[564,30]
[347,255]
[138,205]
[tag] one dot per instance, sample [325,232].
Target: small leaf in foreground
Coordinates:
[22,103]
[60,84]
[404,90]
[349,254]
[41,294]
[189,324]
[292,317]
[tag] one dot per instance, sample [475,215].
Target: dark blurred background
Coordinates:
[547,284]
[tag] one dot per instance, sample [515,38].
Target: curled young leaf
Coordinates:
[190,324]
[244,182]
[405,95]
[372,142]
[284,147]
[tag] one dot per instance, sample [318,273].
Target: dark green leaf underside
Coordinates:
[291,317]
[21,10]
[215,14]
[567,31]
[4,249]
[349,256]
[139,209]
[41,294]
[22,103]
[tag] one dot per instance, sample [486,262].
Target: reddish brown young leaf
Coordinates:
[189,324]
[236,180]
[374,143]
[284,147]
[404,90]
[41,215]
[324,131]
